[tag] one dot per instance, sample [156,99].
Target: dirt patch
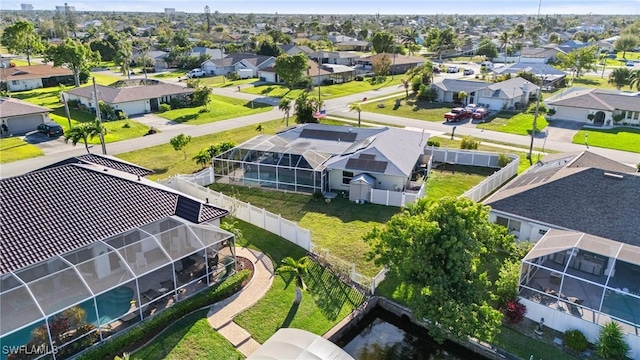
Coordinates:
[245,264]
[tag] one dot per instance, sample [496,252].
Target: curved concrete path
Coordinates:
[221,315]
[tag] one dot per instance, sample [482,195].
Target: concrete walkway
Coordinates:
[221,315]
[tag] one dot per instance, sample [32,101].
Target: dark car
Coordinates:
[50,129]
[467,72]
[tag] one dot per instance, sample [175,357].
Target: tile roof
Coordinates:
[397,59]
[114,95]
[578,192]
[10,107]
[232,59]
[598,99]
[35,72]
[53,211]
[104,161]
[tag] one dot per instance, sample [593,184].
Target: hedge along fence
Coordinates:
[140,334]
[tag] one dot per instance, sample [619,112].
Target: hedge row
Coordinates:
[138,335]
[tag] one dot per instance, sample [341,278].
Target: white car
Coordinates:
[195,73]
[452,69]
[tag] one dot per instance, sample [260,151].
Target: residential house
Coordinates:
[340,73]
[509,94]
[335,57]
[235,62]
[596,106]
[317,157]
[549,74]
[212,53]
[133,97]
[296,49]
[158,58]
[353,45]
[448,90]
[544,54]
[582,272]
[399,63]
[318,75]
[336,39]
[20,78]
[117,246]
[20,116]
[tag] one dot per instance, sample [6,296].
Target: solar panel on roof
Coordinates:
[328,135]
[367,156]
[367,165]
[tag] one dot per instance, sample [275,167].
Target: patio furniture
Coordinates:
[151,294]
[167,284]
[554,278]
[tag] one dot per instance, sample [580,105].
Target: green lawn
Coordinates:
[221,81]
[327,302]
[454,180]
[220,108]
[623,138]
[513,123]
[525,347]
[190,338]
[103,78]
[328,92]
[48,97]
[14,149]
[171,74]
[593,81]
[410,108]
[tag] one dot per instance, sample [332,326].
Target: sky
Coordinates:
[416,7]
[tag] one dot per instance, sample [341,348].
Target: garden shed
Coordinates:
[360,187]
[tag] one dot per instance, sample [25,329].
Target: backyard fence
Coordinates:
[395,198]
[193,185]
[478,158]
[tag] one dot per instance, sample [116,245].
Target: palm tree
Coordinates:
[96,129]
[356,106]
[408,38]
[299,269]
[518,33]
[202,158]
[77,133]
[634,79]
[462,96]
[285,106]
[504,40]
[619,77]
[259,129]
[406,83]
[124,55]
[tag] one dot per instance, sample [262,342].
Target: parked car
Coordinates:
[486,65]
[630,63]
[436,70]
[467,72]
[452,69]
[457,114]
[480,113]
[195,73]
[50,129]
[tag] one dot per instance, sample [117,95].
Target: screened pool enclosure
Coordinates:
[589,277]
[79,298]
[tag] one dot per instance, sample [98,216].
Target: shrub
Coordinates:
[542,108]
[152,131]
[203,110]
[233,76]
[503,160]
[435,143]
[164,107]
[551,112]
[575,340]
[469,143]
[638,166]
[149,328]
[326,82]
[126,126]
[514,311]
[590,117]
[358,78]
[507,282]
[618,118]
[73,104]
[318,195]
[610,343]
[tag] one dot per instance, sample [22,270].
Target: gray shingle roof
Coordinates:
[457,85]
[56,210]
[573,191]
[114,95]
[10,107]
[597,99]
[233,59]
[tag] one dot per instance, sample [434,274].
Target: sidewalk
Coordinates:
[221,315]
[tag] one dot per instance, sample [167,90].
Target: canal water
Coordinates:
[382,335]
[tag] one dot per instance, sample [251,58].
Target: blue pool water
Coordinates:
[111,305]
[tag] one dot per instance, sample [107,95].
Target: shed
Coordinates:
[360,187]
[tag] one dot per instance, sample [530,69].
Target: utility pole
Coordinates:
[319,82]
[99,116]
[535,121]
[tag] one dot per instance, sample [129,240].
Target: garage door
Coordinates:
[563,113]
[24,124]
[133,108]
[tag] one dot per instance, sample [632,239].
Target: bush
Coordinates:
[591,117]
[136,335]
[514,311]
[507,282]
[551,112]
[164,107]
[326,82]
[575,340]
[542,109]
[503,160]
[618,118]
[73,104]
[152,131]
[434,143]
[469,143]
[233,76]
[610,343]
[318,195]
[358,78]
[126,126]
[203,110]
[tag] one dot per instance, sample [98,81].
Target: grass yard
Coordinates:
[410,108]
[190,338]
[454,180]
[513,123]
[221,81]
[165,161]
[220,108]
[525,347]
[593,81]
[14,149]
[170,74]
[327,302]
[103,78]
[623,138]
[328,91]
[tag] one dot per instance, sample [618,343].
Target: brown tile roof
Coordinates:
[10,107]
[313,69]
[115,95]
[35,72]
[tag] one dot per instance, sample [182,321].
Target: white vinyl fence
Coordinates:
[395,198]
[478,158]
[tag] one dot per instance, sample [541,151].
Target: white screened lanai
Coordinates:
[76,299]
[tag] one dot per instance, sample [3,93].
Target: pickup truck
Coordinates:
[195,73]
[457,114]
[480,113]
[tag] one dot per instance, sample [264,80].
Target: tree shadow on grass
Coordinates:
[329,293]
[291,315]
[186,118]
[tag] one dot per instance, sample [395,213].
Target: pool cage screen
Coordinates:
[262,163]
[589,277]
[61,306]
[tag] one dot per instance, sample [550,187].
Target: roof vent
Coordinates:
[614,176]
[105,169]
[138,177]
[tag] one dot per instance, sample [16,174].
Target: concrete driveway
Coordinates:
[562,130]
[48,145]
